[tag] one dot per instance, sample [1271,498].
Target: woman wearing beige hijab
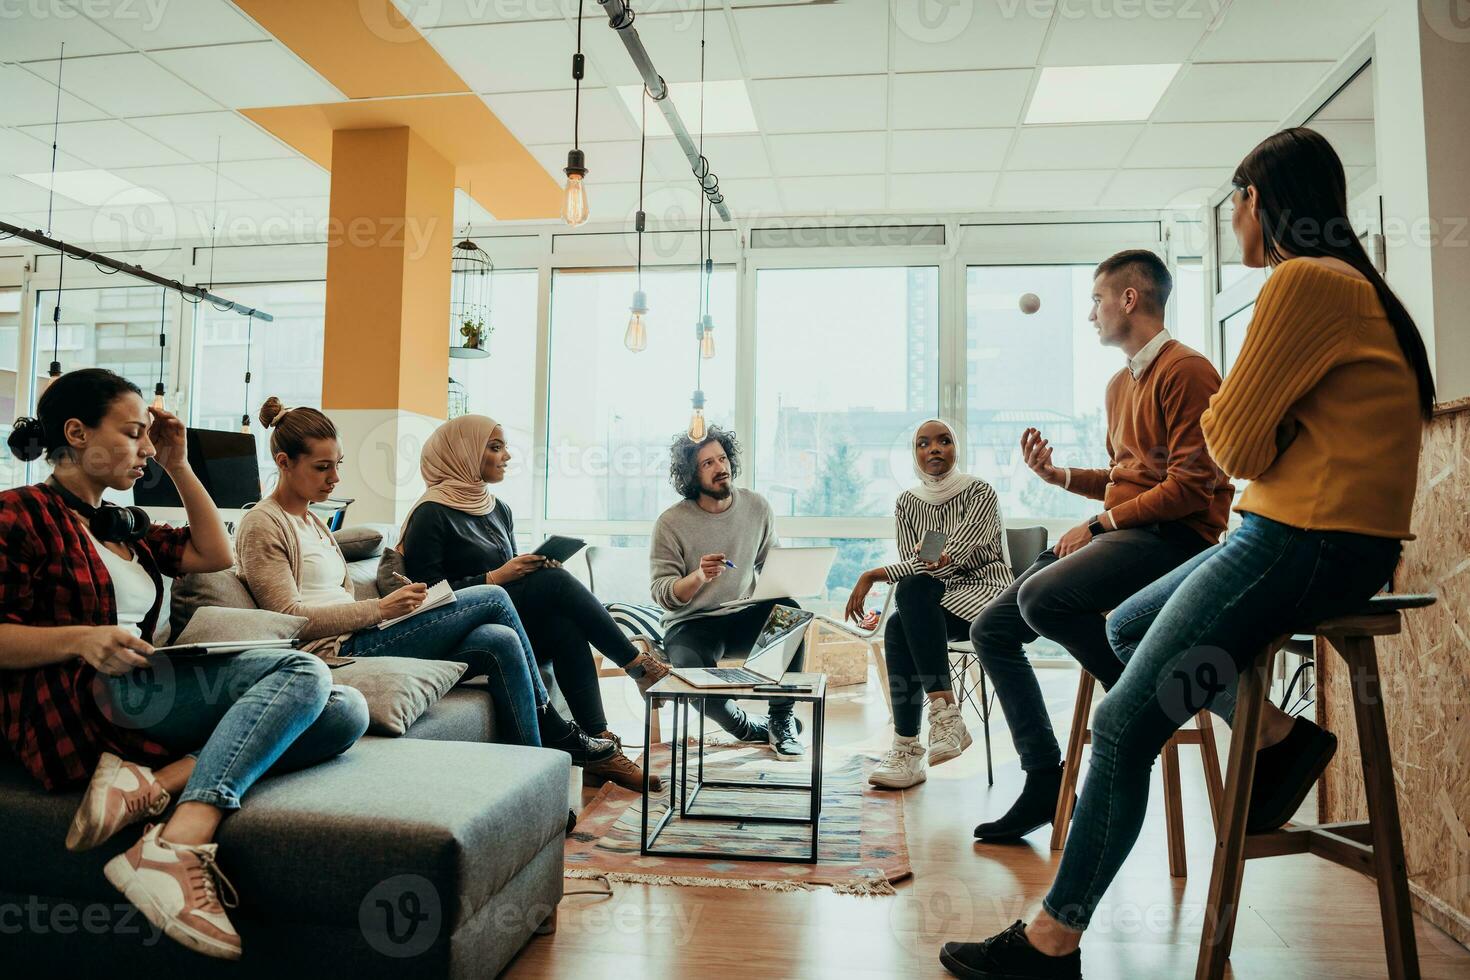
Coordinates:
[460,532]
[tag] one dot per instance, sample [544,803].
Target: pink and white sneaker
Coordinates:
[120,793]
[180,889]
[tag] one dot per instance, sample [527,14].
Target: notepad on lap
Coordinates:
[440,594]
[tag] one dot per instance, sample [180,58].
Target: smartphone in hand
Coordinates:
[931,548]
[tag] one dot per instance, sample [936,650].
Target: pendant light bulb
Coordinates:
[707,337]
[635,338]
[158,394]
[697,427]
[574,209]
[245,425]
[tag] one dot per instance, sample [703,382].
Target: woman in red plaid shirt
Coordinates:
[81,697]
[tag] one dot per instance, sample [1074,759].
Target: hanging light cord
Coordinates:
[642,157]
[162,331]
[214,216]
[577,72]
[249,338]
[55,132]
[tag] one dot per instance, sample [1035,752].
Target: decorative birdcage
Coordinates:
[470,271]
[459,400]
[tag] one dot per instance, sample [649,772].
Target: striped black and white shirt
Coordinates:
[977,571]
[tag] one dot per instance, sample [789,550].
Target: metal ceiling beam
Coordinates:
[620,19]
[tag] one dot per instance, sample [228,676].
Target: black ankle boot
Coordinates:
[558,733]
[1034,809]
[1285,774]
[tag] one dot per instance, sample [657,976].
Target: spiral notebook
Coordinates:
[440,594]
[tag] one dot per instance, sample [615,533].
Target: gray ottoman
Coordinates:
[403,857]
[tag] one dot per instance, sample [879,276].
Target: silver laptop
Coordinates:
[790,573]
[775,646]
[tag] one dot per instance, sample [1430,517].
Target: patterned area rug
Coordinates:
[862,848]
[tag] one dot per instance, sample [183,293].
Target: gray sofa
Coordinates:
[438,854]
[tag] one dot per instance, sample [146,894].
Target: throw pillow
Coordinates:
[639,622]
[392,561]
[201,590]
[214,624]
[398,689]
[359,543]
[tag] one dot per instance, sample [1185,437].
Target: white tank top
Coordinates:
[322,568]
[131,585]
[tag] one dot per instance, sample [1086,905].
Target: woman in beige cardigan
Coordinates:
[292,565]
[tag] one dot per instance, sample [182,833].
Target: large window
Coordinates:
[12,470]
[113,328]
[285,358]
[1232,339]
[847,363]
[612,412]
[1044,370]
[503,385]
[1189,303]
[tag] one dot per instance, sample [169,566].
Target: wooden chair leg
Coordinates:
[1174,811]
[1081,716]
[1229,863]
[1210,759]
[1390,868]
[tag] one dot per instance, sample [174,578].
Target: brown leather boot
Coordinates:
[646,672]
[619,769]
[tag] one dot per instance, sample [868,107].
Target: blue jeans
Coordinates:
[242,715]
[1185,640]
[480,629]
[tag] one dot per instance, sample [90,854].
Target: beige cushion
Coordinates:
[359,543]
[398,689]
[193,592]
[214,624]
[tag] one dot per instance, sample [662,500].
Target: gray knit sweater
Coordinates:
[684,533]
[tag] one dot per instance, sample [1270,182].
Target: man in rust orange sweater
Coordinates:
[1163,501]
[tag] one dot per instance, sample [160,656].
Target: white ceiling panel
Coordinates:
[18,195]
[26,98]
[1268,30]
[750,197]
[828,153]
[663,203]
[198,134]
[28,37]
[672,40]
[1352,101]
[23,154]
[931,36]
[254,75]
[185,183]
[957,192]
[149,25]
[546,117]
[813,105]
[1163,188]
[1071,147]
[606,162]
[1239,93]
[848,38]
[126,85]
[959,100]
[279,178]
[444,13]
[732,156]
[1196,144]
[823,195]
[512,57]
[1051,190]
[1152,33]
[922,151]
[109,144]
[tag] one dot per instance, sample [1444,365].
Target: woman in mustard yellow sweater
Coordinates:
[1322,413]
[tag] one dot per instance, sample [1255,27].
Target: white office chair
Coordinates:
[873,638]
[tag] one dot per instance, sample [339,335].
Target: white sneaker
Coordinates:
[120,793]
[948,736]
[180,890]
[902,767]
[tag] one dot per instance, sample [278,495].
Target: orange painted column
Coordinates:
[387,312]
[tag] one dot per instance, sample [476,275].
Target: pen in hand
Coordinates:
[729,563]
[402,578]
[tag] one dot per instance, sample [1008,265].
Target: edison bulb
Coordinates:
[696,425]
[574,209]
[157,403]
[635,338]
[707,343]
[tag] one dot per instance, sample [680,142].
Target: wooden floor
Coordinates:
[1301,916]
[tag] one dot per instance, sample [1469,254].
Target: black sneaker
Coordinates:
[583,748]
[1285,774]
[1035,808]
[782,728]
[1008,955]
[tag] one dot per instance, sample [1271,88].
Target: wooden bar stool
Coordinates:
[1374,846]
[1203,735]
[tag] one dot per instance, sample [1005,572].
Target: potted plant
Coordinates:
[475,332]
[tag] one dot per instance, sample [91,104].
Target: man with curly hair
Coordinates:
[706,550]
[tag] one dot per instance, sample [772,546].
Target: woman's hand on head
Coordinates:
[112,650]
[166,432]
[403,601]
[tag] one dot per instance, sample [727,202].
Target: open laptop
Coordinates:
[775,646]
[790,573]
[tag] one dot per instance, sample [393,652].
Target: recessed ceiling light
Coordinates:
[1101,93]
[95,188]
[727,107]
